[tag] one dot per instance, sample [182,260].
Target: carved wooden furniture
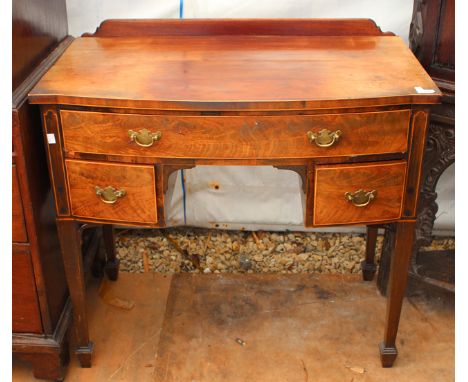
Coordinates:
[41,315]
[432,39]
[334,100]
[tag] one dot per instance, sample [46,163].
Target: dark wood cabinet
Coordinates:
[432,39]
[38,27]
[41,315]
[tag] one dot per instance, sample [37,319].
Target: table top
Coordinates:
[236,72]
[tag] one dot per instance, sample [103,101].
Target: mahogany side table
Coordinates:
[338,101]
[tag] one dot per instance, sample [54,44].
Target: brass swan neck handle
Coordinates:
[324,138]
[360,198]
[144,137]
[109,195]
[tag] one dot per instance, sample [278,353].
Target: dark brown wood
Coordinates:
[435,273]
[332,182]
[239,162]
[432,37]
[112,262]
[235,137]
[235,99]
[19,233]
[368,264]
[70,243]
[47,365]
[308,201]
[398,278]
[233,27]
[39,289]
[48,354]
[38,27]
[26,317]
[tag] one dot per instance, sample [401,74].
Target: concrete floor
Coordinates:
[233,328]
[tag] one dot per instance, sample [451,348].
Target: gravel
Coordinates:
[215,251]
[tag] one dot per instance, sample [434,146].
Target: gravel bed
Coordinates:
[216,251]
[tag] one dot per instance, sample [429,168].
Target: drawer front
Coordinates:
[123,193]
[19,233]
[336,200]
[236,137]
[25,305]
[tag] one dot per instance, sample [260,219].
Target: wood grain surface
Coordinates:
[139,203]
[235,137]
[38,26]
[244,27]
[332,182]
[236,72]
[26,317]
[19,233]
[415,160]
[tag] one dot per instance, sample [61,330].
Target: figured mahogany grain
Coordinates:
[236,72]
[332,182]
[235,137]
[139,203]
[19,233]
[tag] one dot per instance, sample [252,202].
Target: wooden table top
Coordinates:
[236,72]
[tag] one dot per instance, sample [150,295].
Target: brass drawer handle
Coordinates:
[109,194]
[360,198]
[144,137]
[324,138]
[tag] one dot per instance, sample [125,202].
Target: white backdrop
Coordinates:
[252,197]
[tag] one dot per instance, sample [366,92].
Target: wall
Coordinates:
[256,197]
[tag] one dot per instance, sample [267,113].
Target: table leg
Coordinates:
[396,290]
[70,245]
[112,263]
[368,265]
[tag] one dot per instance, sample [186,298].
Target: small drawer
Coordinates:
[236,137]
[350,194]
[107,191]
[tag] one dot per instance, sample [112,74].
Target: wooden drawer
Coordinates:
[236,137]
[332,182]
[137,203]
[19,233]
[25,306]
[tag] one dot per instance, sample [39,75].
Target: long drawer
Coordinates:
[359,193]
[122,193]
[236,137]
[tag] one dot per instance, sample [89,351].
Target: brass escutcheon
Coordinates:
[109,194]
[144,137]
[360,198]
[324,138]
